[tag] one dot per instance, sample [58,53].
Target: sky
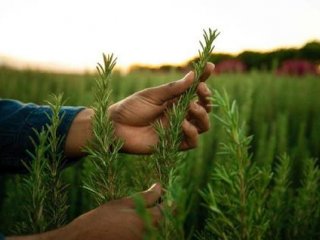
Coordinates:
[73,34]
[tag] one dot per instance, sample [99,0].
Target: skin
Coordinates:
[113,221]
[133,118]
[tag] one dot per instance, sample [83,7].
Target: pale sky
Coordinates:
[74,33]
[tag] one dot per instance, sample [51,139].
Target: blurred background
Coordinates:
[71,35]
[267,58]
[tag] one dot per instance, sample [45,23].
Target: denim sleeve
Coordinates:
[17,121]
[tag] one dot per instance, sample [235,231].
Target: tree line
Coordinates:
[252,60]
[272,59]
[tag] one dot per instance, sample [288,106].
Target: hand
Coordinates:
[134,116]
[115,220]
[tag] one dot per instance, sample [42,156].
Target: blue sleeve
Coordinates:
[17,121]
[1,237]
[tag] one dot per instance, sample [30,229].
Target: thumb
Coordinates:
[166,92]
[152,195]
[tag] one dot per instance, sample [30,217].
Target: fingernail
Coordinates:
[207,90]
[183,79]
[213,67]
[152,187]
[189,75]
[195,106]
[209,99]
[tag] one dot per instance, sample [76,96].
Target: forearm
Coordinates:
[17,124]
[79,134]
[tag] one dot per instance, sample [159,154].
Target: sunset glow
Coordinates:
[73,34]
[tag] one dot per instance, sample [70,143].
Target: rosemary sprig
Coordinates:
[46,204]
[172,169]
[103,149]
[170,137]
[57,195]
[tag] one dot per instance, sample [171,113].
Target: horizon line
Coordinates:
[21,63]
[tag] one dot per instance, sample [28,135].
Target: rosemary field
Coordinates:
[256,170]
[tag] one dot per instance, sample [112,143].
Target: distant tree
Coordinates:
[311,51]
[267,61]
[220,57]
[253,60]
[214,58]
[166,68]
[273,59]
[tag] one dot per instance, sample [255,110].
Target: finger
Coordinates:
[150,197]
[207,71]
[190,139]
[156,213]
[153,195]
[204,95]
[198,117]
[161,94]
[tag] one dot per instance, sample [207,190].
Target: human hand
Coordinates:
[134,116]
[115,220]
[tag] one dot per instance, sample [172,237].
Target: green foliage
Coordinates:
[172,169]
[56,198]
[277,205]
[150,230]
[237,194]
[44,190]
[270,60]
[170,137]
[306,204]
[103,170]
[279,195]
[310,51]
[250,201]
[36,187]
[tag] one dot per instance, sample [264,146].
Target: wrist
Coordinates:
[79,134]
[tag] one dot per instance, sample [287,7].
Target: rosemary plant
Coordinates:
[306,205]
[46,206]
[57,196]
[170,137]
[103,181]
[36,188]
[279,200]
[237,196]
[172,169]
